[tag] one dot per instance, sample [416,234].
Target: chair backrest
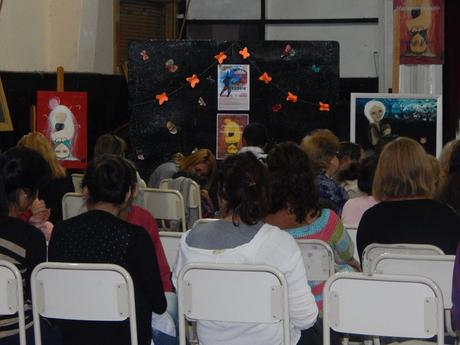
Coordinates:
[205,220]
[352,232]
[192,196]
[74,291]
[383,305]
[11,295]
[165,204]
[374,250]
[438,268]
[170,241]
[77,180]
[318,259]
[232,293]
[73,204]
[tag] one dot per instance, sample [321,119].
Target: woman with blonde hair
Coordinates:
[60,182]
[322,148]
[404,183]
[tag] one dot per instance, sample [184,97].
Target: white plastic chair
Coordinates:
[352,232]
[77,180]
[383,305]
[170,241]
[11,296]
[318,259]
[73,204]
[165,204]
[91,292]
[205,220]
[232,293]
[193,199]
[438,268]
[374,250]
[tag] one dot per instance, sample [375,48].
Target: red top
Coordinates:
[142,217]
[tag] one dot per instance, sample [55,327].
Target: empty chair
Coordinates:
[92,292]
[438,268]
[12,297]
[170,241]
[77,179]
[374,250]
[318,259]
[165,204]
[73,204]
[383,305]
[233,293]
[190,191]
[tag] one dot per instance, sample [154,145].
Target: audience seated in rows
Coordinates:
[60,182]
[242,237]
[295,208]
[404,183]
[322,147]
[100,236]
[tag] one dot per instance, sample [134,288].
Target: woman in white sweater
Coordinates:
[242,238]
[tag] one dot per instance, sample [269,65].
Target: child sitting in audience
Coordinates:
[354,208]
[255,140]
[350,156]
[322,148]
[404,183]
[295,208]
[100,236]
[242,237]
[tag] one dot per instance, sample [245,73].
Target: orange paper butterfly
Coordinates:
[323,106]
[220,57]
[291,97]
[193,80]
[245,53]
[265,78]
[161,98]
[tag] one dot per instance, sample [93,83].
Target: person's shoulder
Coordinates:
[18,224]
[276,237]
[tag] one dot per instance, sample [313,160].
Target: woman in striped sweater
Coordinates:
[296,209]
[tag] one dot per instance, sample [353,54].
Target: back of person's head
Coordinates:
[255,134]
[21,169]
[320,146]
[449,192]
[349,150]
[199,159]
[108,179]
[109,144]
[383,141]
[38,142]
[366,174]
[444,158]
[349,160]
[403,171]
[292,181]
[244,188]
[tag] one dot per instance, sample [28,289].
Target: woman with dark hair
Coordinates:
[295,208]
[22,173]
[354,208]
[449,192]
[404,185]
[242,237]
[100,236]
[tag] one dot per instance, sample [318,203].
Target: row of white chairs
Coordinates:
[388,302]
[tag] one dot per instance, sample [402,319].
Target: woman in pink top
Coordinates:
[354,208]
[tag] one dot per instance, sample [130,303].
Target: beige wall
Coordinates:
[39,35]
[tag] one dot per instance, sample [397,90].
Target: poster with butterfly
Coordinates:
[62,118]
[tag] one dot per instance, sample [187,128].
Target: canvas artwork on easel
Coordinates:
[5,118]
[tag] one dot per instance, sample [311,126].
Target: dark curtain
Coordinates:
[451,77]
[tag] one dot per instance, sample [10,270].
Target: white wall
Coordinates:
[39,35]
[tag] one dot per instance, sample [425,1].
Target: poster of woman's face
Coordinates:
[374,116]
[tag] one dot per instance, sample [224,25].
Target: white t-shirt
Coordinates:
[270,246]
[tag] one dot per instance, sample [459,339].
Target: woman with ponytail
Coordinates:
[22,173]
[241,237]
[296,208]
